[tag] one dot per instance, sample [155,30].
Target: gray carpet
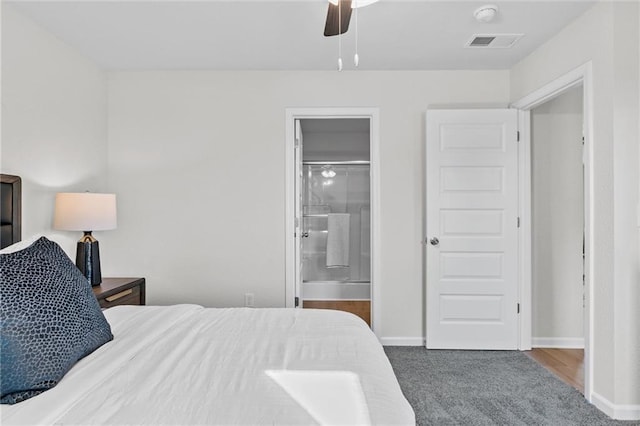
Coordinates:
[487,388]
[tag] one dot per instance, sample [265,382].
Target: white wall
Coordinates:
[607,36]
[54,121]
[626,147]
[197,161]
[557,220]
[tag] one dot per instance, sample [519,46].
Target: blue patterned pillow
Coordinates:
[50,320]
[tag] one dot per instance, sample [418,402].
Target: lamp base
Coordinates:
[88,258]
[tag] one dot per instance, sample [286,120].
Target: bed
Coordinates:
[186,364]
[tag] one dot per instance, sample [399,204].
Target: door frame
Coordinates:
[373,114]
[580,75]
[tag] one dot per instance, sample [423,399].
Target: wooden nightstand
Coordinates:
[120,291]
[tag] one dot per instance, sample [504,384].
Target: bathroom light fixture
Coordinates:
[328,172]
[486,13]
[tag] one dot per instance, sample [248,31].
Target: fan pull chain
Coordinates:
[356,58]
[339,35]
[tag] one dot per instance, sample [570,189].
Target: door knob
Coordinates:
[434,241]
[305,235]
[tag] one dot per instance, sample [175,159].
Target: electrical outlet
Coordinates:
[248,300]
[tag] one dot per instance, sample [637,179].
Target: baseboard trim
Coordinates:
[615,411]
[402,341]
[558,342]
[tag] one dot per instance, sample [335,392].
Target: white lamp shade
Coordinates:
[85,211]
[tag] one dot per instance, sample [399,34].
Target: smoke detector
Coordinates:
[486,13]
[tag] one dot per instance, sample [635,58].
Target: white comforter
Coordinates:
[186,364]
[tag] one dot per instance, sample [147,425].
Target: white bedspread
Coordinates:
[185,364]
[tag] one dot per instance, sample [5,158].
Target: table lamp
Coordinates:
[87,212]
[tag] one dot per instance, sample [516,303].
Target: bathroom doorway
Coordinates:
[331,203]
[336,215]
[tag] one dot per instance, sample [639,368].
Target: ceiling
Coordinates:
[287,35]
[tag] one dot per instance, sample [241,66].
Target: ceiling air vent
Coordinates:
[481,41]
[493,41]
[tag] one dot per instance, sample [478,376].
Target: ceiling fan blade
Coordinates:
[333,25]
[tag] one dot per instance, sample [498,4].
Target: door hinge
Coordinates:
[518,136]
[297,301]
[518,308]
[518,221]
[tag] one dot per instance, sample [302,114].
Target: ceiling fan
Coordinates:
[339,15]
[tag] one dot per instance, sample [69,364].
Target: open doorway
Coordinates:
[580,78]
[332,211]
[335,216]
[558,235]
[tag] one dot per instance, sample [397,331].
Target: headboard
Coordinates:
[10,209]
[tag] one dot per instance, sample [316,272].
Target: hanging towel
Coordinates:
[338,240]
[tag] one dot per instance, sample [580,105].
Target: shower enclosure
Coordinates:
[336,215]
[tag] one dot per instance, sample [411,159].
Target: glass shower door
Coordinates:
[336,222]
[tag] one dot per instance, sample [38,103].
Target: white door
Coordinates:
[298,213]
[472,229]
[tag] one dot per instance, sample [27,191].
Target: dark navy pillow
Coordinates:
[50,320]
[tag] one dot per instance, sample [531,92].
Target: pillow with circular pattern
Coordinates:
[50,319]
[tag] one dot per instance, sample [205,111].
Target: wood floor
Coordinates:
[361,308]
[567,364]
